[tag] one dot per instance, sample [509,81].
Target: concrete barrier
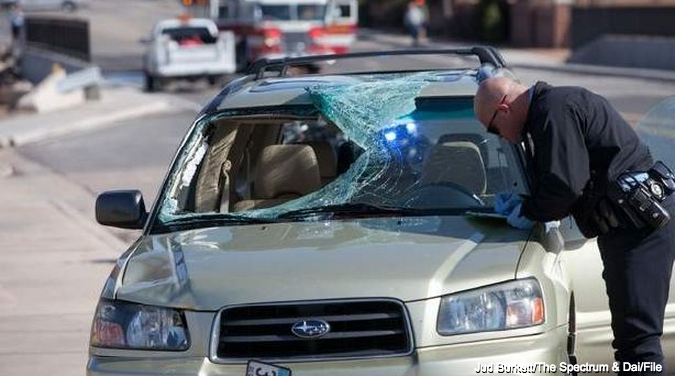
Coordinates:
[36,64]
[78,81]
[46,96]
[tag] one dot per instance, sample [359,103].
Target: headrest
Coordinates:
[459,162]
[286,170]
[327,159]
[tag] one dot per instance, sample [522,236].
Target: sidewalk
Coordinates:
[526,58]
[116,104]
[54,256]
[54,262]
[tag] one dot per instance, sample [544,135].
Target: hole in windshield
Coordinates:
[393,153]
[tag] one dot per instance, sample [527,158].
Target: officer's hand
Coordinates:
[604,217]
[515,219]
[505,202]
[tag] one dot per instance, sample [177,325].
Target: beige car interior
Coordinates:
[284,173]
[246,166]
[325,154]
[457,162]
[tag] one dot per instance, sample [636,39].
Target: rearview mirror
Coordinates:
[123,209]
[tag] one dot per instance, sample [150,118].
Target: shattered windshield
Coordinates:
[374,147]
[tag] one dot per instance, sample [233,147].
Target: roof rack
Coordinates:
[486,55]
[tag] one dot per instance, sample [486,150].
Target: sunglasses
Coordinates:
[491,127]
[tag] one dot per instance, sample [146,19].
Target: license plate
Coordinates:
[263,369]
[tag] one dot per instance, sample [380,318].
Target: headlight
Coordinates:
[125,325]
[510,305]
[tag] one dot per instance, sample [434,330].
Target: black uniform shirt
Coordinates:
[579,144]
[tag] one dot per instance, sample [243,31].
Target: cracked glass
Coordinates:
[375,146]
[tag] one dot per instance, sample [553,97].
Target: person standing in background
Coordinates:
[17,22]
[416,19]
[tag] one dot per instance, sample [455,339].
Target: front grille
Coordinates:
[371,328]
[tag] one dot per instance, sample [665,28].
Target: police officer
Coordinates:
[576,145]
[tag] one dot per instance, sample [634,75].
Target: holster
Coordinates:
[639,195]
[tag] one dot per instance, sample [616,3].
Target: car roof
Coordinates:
[289,91]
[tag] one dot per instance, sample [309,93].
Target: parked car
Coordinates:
[188,48]
[44,5]
[343,224]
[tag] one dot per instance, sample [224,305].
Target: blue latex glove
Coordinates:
[515,219]
[505,202]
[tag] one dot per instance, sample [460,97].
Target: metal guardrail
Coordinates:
[62,35]
[84,78]
[485,54]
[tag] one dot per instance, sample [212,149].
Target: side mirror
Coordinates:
[123,209]
[551,238]
[145,41]
[574,239]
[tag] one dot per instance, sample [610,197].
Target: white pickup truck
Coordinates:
[188,48]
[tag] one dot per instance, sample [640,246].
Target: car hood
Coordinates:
[403,258]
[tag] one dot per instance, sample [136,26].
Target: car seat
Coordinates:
[325,154]
[284,173]
[458,162]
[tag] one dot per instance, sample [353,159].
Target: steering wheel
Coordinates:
[441,194]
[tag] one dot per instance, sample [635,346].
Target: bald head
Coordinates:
[489,93]
[502,95]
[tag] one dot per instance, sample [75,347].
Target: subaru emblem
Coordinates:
[310,328]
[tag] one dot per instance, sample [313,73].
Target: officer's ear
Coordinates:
[506,107]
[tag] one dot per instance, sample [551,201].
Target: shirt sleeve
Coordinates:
[561,165]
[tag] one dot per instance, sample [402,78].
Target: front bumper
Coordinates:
[457,360]
[195,69]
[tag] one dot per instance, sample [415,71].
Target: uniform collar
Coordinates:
[536,91]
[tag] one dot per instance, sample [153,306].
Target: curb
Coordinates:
[586,69]
[91,123]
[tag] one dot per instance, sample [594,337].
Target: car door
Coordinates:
[43,4]
[30,5]
[594,335]
[583,263]
[657,130]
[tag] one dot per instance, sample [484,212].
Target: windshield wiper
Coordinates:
[361,209]
[214,221]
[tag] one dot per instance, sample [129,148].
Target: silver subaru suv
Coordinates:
[342,224]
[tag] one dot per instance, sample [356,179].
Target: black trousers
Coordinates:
[638,265]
